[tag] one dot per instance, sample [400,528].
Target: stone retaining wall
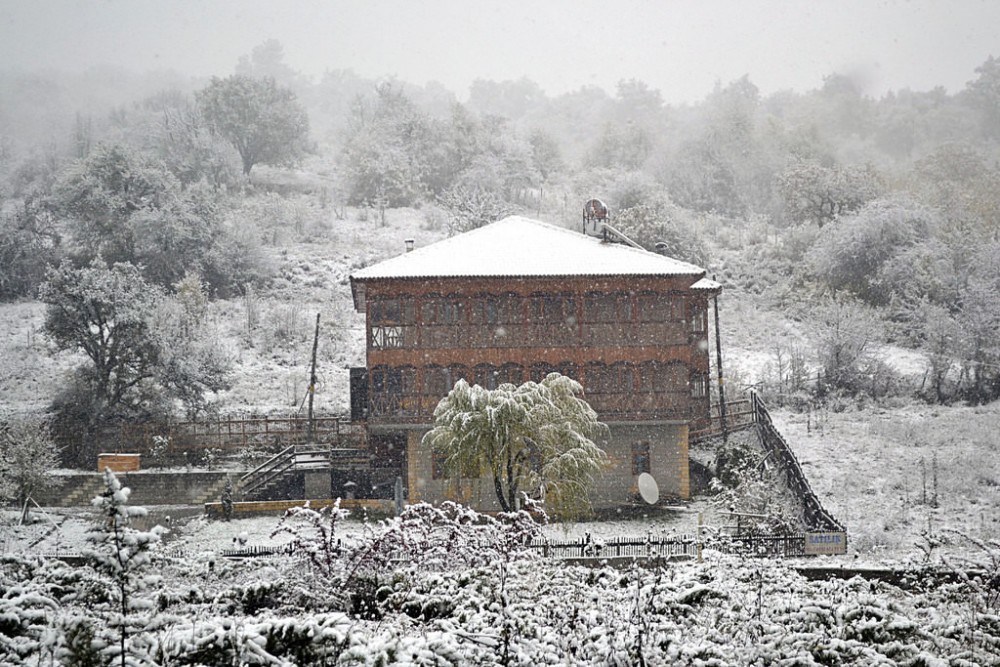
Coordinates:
[148,488]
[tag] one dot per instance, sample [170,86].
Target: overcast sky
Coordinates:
[681,47]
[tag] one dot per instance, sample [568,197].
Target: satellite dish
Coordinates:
[648,488]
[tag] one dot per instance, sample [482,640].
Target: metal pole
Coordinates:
[718,366]
[312,382]
[699,543]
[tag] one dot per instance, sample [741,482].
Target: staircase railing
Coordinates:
[273,468]
[814,515]
[300,457]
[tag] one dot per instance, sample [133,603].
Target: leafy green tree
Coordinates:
[979,320]
[941,340]
[192,365]
[510,99]
[535,437]
[143,347]
[721,164]
[171,127]
[473,207]
[663,228]
[267,59]
[545,154]
[96,198]
[625,146]
[263,121]
[846,331]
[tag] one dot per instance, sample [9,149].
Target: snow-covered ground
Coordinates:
[64,530]
[482,608]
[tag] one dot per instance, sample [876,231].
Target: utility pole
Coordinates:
[718,367]
[312,383]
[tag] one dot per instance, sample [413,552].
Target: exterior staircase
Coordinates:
[262,482]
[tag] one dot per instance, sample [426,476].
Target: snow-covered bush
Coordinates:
[745,484]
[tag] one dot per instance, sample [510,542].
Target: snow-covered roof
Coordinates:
[707,285]
[521,247]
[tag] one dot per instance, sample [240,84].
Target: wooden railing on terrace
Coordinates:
[739,415]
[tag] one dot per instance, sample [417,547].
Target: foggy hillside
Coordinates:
[838,223]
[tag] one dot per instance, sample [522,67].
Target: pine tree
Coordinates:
[122,555]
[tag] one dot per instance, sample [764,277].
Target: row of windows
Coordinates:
[511,321]
[409,391]
[593,307]
[534,335]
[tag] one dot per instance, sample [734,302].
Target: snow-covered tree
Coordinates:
[262,120]
[122,555]
[121,204]
[105,312]
[386,150]
[852,254]
[27,457]
[538,438]
[815,192]
[846,331]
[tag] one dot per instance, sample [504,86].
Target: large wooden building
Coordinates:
[514,301]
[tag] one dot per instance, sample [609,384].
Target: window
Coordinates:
[458,372]
[697,317]
[393,310]
[450,311]
[509,308]
[552,308]
[510,374]
[660,377]
[436,382]
[567,368]
[439,380]
[654,307]
[436,309]
[699,385]
[390,317]
[485,309]
[601,308]
[640,457]
[486,376]
[540,371]
[390,387]
[429,309]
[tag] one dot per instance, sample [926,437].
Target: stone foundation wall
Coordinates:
[148,488]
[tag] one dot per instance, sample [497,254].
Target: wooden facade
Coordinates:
[637,343]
